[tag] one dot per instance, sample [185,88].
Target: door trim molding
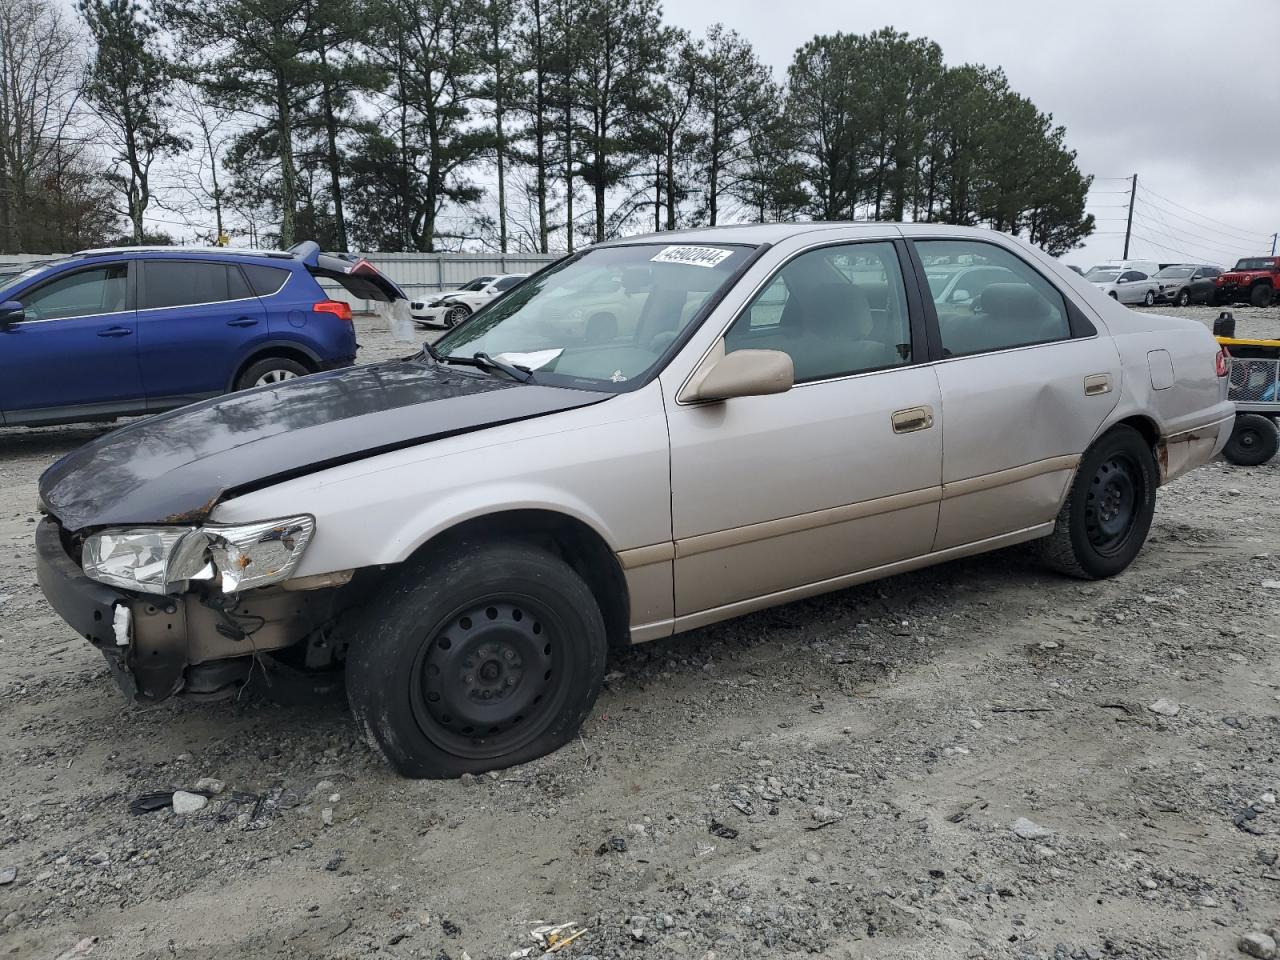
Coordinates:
[1001,478]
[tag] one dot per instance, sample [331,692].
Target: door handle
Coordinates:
[115,332]
[912,419]
[242,322]
[1097,384]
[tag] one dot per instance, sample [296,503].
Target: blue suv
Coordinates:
[127,331]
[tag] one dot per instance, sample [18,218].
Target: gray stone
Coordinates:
[1028,830]
[8,875]
[1165,708]
[210,785]
[956,926]
[1257,945]
[184,802]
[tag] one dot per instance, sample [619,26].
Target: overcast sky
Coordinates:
[1182,92]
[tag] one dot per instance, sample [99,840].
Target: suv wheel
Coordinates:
[1107,515]
[1260,295]
[455,315]
[1184,298]
[1149,300]
[491,655]
[1254,440]
[270,370]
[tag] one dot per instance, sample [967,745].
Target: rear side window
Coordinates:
[506,283]
[264,280]
[1133,276]
[178,283]
[1019,309]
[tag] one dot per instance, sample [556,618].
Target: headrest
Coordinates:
[1013,301]
[838,311]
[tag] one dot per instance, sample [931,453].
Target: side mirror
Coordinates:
[960,296]
[1121,280]
[742,373]
[11,312]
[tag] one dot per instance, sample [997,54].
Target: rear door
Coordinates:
[74,355]
[197,321]
[1026,382]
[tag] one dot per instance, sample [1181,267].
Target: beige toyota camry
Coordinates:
[651,435]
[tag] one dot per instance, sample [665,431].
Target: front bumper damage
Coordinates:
[198,644]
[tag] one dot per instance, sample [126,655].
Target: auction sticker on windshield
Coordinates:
[693,256]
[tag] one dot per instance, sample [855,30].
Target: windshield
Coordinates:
[1258,263]
[1103,276]
[1174,273]
[600,320]
[479,283]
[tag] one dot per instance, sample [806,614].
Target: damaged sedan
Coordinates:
[459,537]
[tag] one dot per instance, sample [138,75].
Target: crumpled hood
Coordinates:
[175,467]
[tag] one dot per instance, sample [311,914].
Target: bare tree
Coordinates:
[40,84]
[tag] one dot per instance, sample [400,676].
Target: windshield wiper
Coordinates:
[483,361]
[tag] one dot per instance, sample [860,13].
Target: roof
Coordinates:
[750,233]
[220,251]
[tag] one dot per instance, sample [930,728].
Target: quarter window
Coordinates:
[1006,303]
[264,280]
[84,293]
[178,283]
[837,311]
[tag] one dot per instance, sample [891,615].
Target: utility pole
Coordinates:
[1128,227]
[1274,237]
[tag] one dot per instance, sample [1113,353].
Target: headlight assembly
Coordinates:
[162,560]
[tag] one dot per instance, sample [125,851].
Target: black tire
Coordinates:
[1184,298]
[270,370]
[413,681]
[1149,300]
[1108,511]
[1113,295]
[1254,440]
[456,314]
[1261,295]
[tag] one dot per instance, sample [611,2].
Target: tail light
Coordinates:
[338,308]
[1223,365]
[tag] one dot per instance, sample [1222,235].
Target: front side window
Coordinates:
[836,311]
[1133,276]
[83,293]
[506,283]
[1017,308]
[180,283]
[601,320]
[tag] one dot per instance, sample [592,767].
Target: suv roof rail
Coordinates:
[224,251]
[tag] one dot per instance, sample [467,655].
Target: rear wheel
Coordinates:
[488,656]
[1254,440]
[1107,515]
[1260,296]
[270,370]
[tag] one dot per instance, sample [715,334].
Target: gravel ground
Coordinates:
[977,760]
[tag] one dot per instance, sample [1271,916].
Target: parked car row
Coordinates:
[1253,280]
[451,307]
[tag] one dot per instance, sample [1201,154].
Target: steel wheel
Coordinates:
[274,376]
[490,679]
[1110,510]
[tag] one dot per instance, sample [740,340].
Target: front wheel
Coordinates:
[487,656]
[1254,440]
[1113,295]
[1149,300]
[455,315]
[1184,298]
[1108,511]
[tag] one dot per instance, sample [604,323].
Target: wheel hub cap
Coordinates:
[485,677]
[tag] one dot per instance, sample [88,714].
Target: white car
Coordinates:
[1127,286]
[453,306]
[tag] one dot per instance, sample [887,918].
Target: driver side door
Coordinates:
[74,355]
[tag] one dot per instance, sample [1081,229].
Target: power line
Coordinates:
[1182,236]
[1236,236]
[1221,223]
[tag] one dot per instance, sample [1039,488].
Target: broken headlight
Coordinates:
[233,557]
